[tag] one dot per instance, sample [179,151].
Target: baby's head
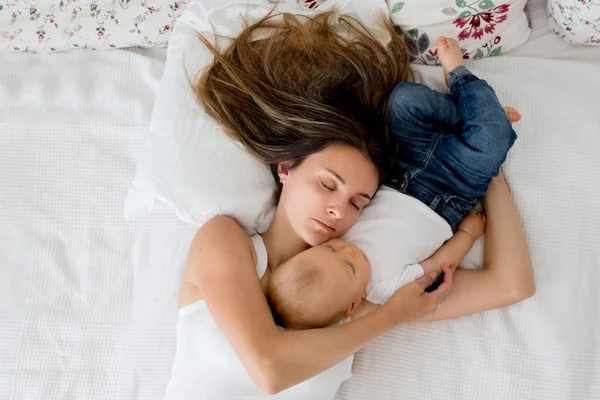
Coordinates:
[320,286]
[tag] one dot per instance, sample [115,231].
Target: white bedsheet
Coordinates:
[88,300]
[547,347]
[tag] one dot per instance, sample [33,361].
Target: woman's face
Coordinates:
[323,196]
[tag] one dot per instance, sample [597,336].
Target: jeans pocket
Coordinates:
[462,205]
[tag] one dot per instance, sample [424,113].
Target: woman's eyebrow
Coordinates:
[339,177]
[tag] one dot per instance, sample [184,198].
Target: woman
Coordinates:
[313,129]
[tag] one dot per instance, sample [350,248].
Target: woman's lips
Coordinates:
[325,226]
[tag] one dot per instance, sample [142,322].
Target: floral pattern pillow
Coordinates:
[311,4]
[57,25]
[576,21]
[483,28]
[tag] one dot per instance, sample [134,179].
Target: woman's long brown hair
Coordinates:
[291,85]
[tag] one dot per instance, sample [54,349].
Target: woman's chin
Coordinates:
[314,235]
[314,238]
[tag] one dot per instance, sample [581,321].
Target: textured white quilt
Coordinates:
[88,300]
[547,347]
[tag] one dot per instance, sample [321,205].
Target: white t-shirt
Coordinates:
[396,232]
[207,367]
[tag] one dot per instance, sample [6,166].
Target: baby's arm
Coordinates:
[451,253]
[456,248]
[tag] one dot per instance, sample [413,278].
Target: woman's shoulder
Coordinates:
[224,235]
[223,223]
[220,241]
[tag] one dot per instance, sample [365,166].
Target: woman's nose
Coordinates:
[336,210]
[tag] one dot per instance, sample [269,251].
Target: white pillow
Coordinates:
[190,164]
[484,28]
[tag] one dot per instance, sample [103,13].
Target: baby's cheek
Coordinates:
[366,278]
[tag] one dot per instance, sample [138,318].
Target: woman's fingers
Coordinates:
[448,268]
[425,281]
[412,302]
[438,295]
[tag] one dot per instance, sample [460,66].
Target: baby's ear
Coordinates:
[353,307]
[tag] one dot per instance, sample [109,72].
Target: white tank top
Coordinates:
[207,367]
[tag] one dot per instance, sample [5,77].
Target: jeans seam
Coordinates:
[448,208]
[461,77]
[420,186]
[450,196]
[430,152]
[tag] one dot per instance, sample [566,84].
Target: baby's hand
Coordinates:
[473,224]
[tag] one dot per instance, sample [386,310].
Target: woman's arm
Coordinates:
[221,265]
[507,275]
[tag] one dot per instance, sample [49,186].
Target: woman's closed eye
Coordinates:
[331,188]
[327,187]
[359,202]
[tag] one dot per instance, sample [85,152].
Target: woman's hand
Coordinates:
[412,303]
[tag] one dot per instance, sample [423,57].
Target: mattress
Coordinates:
[88,299]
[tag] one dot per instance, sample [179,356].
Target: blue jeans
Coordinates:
[447,147]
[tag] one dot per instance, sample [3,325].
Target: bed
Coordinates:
[88,298]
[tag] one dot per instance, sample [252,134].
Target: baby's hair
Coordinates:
[292,300]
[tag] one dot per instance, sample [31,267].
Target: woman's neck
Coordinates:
[281,241]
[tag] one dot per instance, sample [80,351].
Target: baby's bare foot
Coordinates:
[512,114]
[450,56]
